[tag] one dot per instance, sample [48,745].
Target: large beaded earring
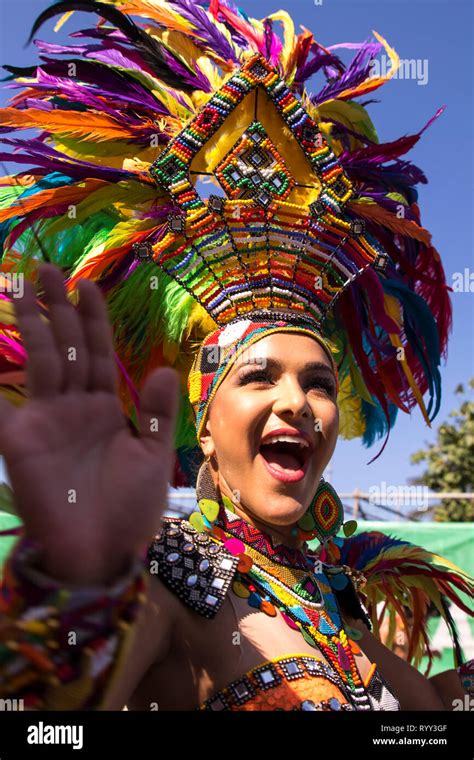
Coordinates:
[323,519]
[208,497]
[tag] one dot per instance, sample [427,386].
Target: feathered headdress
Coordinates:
[308,213]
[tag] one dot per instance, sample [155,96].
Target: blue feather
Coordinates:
[375,420]
[358,550]
[420,323]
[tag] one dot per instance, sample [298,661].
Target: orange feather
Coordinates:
[45,198]
[391,221]
[70,123]
[93,267]
[149,9]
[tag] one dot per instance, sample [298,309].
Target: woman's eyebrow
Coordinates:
[275,364]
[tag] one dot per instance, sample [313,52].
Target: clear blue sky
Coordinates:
[439,34]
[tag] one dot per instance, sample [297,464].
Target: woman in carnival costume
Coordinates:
[301,299]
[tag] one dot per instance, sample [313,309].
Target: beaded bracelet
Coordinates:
[61,647]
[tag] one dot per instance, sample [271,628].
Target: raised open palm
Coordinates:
[87,489]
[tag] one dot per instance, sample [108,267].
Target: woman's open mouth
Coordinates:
[286,460]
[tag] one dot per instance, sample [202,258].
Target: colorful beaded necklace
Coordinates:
[291,581]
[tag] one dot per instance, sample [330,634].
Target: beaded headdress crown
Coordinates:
[310,220]
[280,238]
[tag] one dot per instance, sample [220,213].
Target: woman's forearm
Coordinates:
[63,647]
[448,686]
[413,690]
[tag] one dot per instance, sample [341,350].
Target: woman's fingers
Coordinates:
[99,338]
[67,329]
[44,366]
[73,348]
[159,402]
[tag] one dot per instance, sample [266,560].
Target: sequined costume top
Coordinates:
[201,571]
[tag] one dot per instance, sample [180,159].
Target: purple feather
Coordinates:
[53,160]
[388,203]
[205,29]
[320,60]
[381,345]
[401,175]
[53,49]
[40,105]
[366,164]
[49,77]
[349,45]
[116,55]
[196,79]
[357,72]
[377,153]
[108,52]
[101,32]
[106,82]
[342,130]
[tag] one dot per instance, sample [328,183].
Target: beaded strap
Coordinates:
[61,646]
[265,687]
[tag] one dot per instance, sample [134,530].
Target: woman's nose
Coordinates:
[291,398]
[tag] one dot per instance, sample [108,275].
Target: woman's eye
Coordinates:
[261,376]
[253,377]
[326,385]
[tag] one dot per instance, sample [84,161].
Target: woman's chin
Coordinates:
[277,500]
[277,508]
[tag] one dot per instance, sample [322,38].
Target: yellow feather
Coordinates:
[65,17]
[351,424]
[393,55]
[7,312]
[14,394]
[181,112]
[199,322]
[392,309]
[105,197]
[158,10]
[185,49]
[351,115]
[358,382]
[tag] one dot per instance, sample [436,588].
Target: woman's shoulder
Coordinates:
[195,568]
